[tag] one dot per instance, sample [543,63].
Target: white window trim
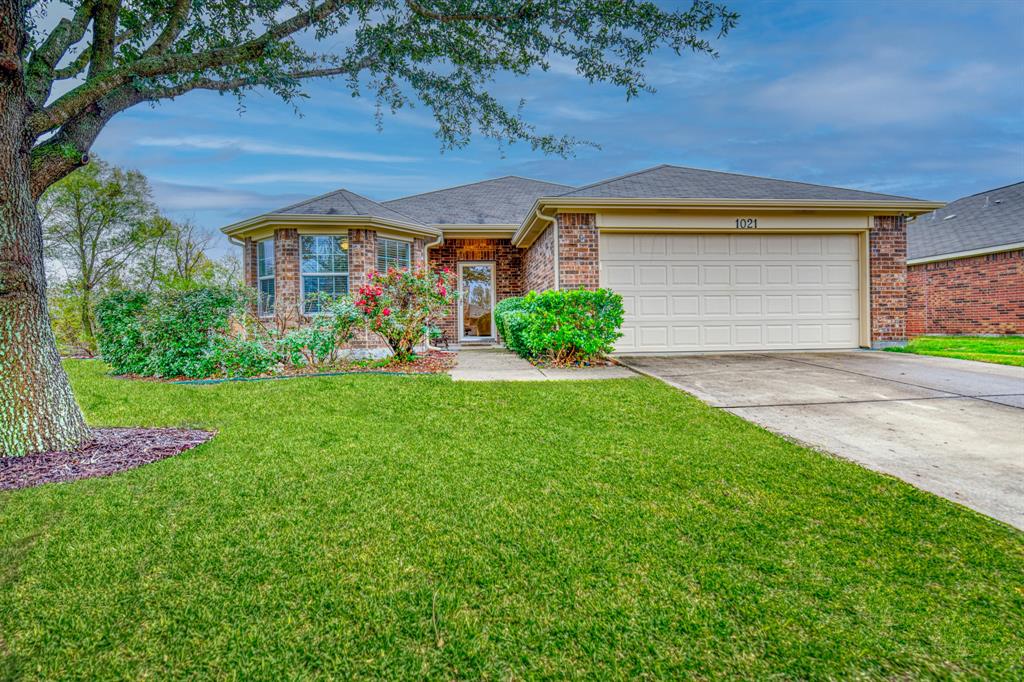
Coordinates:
[303,275]
[261,278]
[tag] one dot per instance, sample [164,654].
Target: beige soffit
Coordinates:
[240,229]
[529,230]
[1002,248]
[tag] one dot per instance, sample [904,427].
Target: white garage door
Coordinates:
[700,292]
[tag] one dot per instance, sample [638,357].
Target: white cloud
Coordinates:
[249,146]
[884,89]
[171,196]
[329,178]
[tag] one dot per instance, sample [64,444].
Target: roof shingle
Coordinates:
[985,220]
[677,182]
[345,203]
[501,201]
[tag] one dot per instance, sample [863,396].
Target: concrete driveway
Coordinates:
[952,427]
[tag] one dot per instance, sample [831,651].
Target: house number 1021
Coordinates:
[746,223]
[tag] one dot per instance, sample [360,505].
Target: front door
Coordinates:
[476,304]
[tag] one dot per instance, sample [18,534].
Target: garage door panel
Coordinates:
[734,292]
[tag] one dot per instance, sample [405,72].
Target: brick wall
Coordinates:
[287,287]
[539,263]
[578,251]
[977,295]
[508,262]
[887,243]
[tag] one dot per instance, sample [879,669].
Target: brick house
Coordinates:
[704,260]
[966,266]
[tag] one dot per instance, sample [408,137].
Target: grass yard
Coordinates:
[1001,350]
[385,527]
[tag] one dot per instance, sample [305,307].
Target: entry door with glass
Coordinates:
[476,302]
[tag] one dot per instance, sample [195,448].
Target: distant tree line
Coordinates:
[103,232]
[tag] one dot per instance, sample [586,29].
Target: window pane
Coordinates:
[266,296]
[392,253]
[323,254]
[265,258]
[334,285]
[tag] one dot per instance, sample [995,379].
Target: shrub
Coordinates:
[564,327]
[400,304]
[510,319]
[119,337]
[179,328]
[319,342]
[233,356]
[170,333]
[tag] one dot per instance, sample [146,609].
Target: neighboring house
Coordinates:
[704,260]
[966,266]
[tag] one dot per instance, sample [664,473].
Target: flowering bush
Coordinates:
[400,304]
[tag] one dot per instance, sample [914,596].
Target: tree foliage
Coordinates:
[442,53]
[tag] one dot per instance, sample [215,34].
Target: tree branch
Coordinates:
[173,91]
[39,74]
[96,87]
[179,15]
[422,11]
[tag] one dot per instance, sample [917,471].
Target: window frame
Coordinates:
[381,242]
[342,239]
[262,276]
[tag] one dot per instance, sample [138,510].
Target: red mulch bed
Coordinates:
[109,451]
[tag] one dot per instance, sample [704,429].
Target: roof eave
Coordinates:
[524,235]
[266,219]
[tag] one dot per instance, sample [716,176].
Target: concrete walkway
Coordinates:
[498,364]
[952,427]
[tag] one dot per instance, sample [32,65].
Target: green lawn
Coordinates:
[1002,350]
[384,527]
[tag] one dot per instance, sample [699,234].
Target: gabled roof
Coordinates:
[345,203]
[501,201]
[677,182]
[982,221]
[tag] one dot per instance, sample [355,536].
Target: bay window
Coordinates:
[393,253]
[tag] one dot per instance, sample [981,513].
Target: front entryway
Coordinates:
[476,301]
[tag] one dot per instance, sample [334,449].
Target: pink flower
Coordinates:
[386,311]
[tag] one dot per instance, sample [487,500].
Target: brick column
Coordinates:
[287,282]
[419,254]
[888,248]
[539,263]
[362,257]
[578,251]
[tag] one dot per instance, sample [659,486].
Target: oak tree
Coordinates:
[105,56]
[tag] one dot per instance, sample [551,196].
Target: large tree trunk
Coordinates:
[37,409]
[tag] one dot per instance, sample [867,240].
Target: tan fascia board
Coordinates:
[477,231]
[526,233]
[1002,248]
[305,220]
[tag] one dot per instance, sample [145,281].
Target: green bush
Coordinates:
[171,333]
[505,310]
[319,343]
[236,357]
[119,336]
[564,327]
[179,328]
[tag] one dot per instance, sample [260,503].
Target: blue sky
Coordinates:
[918,98]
